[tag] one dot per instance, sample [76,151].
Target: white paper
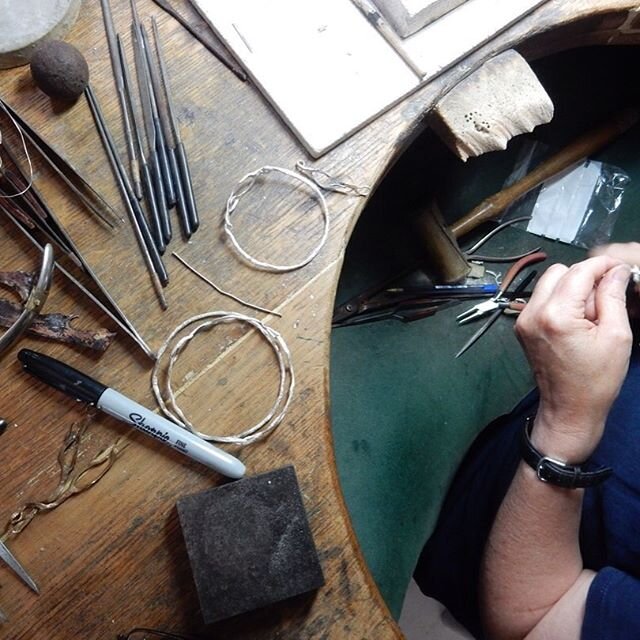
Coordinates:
[328,71]
[321,64]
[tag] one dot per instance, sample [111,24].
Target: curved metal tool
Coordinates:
[34,302]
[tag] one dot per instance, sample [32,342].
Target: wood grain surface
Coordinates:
[112,558]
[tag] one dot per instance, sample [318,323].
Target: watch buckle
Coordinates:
[546,460]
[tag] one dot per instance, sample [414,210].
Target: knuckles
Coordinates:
[544,321]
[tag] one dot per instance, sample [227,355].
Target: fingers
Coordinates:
[545,286]
[611,298]
[576,285]
[572,289]
[590,310]
[628,252]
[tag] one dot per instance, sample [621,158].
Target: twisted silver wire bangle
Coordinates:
[168,403]
[243,187]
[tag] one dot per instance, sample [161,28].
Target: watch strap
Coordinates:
[557,472]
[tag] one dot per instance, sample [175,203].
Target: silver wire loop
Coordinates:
[244,186]
[26,153]
[204,322]
[330,183]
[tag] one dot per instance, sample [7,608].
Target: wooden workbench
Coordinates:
[112,558]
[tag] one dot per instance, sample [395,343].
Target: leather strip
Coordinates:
[556,472]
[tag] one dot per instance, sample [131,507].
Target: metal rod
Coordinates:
[164,76]
[480,332]
[181,202]
[220,290]
[374,17]
[141,228]
[209,41]
[150,196]
[12,562]
[154,93]
[180,153]
[152,259]
[144,85]
[117,73]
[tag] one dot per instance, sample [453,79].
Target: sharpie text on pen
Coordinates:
[140,422]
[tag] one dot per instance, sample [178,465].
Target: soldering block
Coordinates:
[249,544]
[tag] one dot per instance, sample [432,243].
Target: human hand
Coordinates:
[576,334]
[628,252]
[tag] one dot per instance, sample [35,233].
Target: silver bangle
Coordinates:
[167,400]
[35,301]
[243,187]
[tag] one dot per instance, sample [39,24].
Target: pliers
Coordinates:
[501,300]
[406,303]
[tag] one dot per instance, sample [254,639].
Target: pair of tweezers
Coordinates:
[12,562]
[201,32]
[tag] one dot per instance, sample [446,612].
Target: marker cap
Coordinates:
[61,376]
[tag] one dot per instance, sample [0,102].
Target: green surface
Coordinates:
[404,410]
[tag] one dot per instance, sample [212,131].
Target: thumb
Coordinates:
[611,296]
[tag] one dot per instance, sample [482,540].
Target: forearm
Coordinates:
[532,569]
[576,334]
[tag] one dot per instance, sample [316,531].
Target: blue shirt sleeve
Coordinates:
[612,607]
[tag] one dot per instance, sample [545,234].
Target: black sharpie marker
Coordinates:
[81,387]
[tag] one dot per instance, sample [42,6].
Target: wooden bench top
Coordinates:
[112,558]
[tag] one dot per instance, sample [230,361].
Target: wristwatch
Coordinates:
[556,472]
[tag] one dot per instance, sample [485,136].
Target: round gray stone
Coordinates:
[26,23]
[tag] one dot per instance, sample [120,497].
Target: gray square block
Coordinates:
[249,544]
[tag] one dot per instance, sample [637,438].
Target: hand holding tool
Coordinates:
[499,301]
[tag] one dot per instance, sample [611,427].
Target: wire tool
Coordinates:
[405,303]
[502,301]
[12,562]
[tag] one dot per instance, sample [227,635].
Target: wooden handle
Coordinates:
[446,261]
[582,147]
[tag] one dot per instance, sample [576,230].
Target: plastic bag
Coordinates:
[578,207]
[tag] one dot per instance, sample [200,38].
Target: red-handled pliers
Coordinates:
[501,300]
